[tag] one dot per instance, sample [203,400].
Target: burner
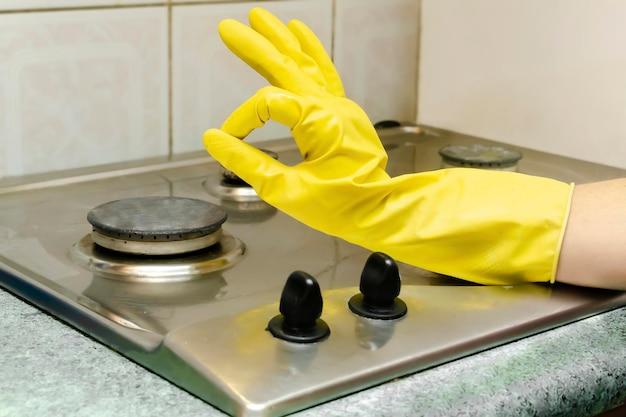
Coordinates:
[156,225]
[248,211]
[480,156]
[233,188]
[157,269]
[157,239]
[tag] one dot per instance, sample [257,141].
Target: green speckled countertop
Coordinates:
[50,369]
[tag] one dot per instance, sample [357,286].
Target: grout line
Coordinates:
[170,84]
[333,22]
[122,6]
[75,8]
[418,54]
[191,3]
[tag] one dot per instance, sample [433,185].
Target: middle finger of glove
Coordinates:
[258,52]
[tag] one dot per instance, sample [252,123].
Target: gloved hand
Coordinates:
[484,226]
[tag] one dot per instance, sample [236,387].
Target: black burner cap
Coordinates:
[157,218]
[480,156]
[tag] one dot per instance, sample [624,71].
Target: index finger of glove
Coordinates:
[249,163]
[258,52]
[314,128]
[268,103]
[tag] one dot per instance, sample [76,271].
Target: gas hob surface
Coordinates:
[205,329]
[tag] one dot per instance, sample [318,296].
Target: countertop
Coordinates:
[49,369]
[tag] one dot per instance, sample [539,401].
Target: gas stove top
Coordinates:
[201,319]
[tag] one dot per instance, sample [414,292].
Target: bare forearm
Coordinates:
[594,247]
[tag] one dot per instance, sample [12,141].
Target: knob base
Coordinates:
[316,333]
[395,311]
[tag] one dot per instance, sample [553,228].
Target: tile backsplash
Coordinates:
[210,82]
[53,4]
[379,64]
[81,88]
[91,82]
[548,75]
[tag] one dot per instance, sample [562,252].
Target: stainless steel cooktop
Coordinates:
[200,320]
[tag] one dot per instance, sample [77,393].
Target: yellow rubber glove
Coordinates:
[484,226]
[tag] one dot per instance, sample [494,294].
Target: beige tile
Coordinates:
[50,4]
[81,88]
[545,75]
[209,82]
[376,46]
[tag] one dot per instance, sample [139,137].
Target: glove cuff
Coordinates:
[568,207]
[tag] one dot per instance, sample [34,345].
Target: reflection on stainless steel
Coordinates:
[124,302]
[235,193]
[112,315]
[156,269]
[295,358]
[498,158]
[248,211]
[205,331]
[373,334]
[229,192]
[242,203]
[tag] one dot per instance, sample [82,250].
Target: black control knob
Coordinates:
[380,287]
[300,307]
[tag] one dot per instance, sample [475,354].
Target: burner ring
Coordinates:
[130,268]
[156,247]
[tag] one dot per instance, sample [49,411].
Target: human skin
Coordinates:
[593,253]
